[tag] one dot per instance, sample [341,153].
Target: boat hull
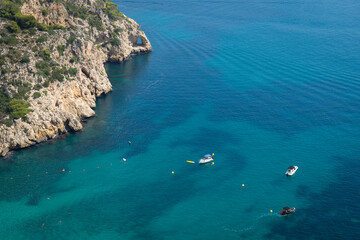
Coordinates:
[291,172]
[207,160]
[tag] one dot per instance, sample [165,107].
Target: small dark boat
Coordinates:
[287,210]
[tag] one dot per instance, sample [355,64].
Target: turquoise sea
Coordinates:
[263,84]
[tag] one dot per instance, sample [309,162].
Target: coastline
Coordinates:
[63,105]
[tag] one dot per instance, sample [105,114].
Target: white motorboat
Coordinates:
[206,159]
[291,170]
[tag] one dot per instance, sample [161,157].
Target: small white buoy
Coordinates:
[124,159]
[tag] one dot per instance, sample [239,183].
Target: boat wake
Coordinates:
[253,226]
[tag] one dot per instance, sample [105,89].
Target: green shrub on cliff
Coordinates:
[74,60]
[60,49]
[41,39]
[43,68]
[72,71]
[8,9]
[71,39]
[118,30]
[95,21]
[25,59]
[36,95]
[111,9]
[115,41]
[42,27]
[25,21]
[2,60]
[18,108]
[14,55]
[45,54]
[58,74]
[13,108]
[22,90]
[4,103]
[79,12]
[5,71]
[13,27]
[37,87]
[46,83]
[10,40]
[11,10]
[44,12]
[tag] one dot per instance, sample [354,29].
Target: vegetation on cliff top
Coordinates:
[24,30]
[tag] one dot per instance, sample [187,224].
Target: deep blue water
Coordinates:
[263,84]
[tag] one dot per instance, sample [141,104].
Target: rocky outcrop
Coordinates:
[63,104]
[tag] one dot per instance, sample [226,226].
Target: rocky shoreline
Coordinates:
[61,104]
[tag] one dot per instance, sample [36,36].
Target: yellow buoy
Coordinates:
[243,185]
[190,161]
[271,211]
[172,172]
[212,163]
[213,154]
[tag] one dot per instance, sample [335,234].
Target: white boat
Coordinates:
[291,170]
[206,159]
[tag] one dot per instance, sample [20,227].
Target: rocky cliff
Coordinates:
[52,59]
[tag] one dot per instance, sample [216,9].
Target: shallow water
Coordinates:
[262,84]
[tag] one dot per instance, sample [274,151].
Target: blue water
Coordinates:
[263,84]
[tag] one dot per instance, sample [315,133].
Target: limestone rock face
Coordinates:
[63,104]
[56,13]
